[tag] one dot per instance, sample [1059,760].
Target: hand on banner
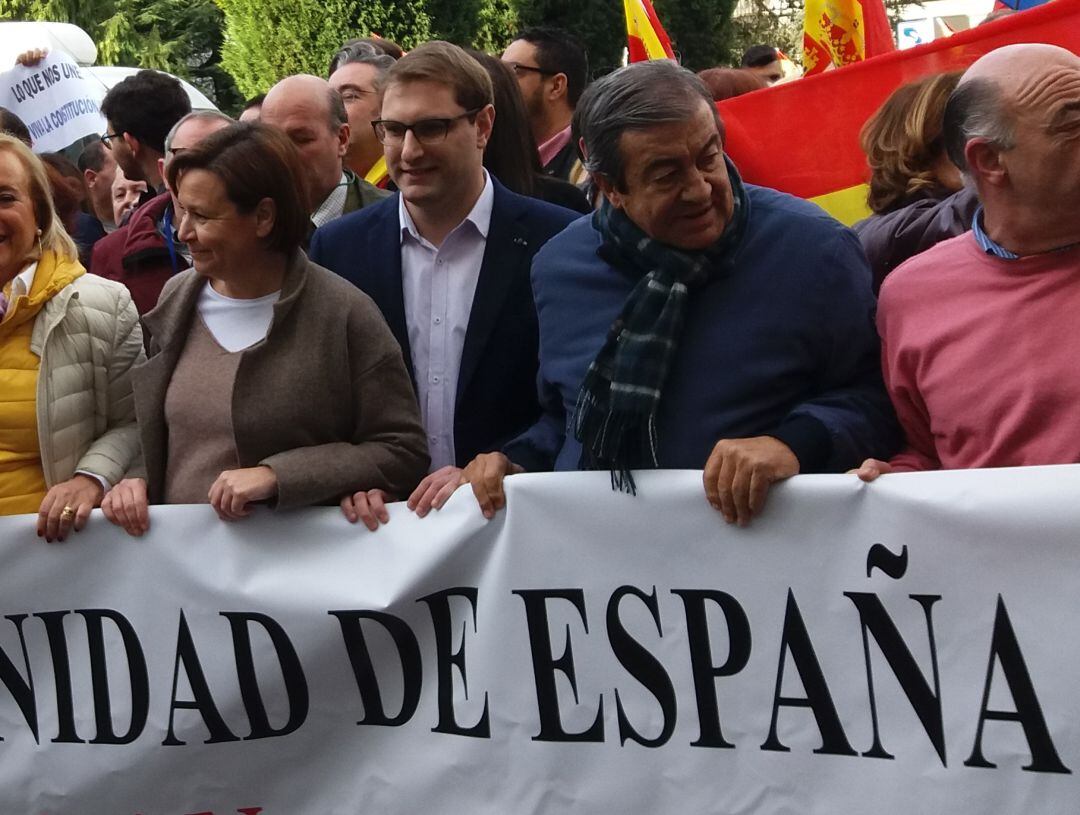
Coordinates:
[435,490]
[32,57]
[368,506]
[486,473]
[870,469]
[739,473]
[125,505]
[67,506]
[235,491]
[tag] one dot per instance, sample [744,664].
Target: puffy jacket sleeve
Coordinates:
[116,450]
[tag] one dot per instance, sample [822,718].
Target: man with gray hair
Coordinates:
[145,252]
[695,321]
[978,333]
[356,72]
[312,114]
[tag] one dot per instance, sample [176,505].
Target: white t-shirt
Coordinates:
[236,324]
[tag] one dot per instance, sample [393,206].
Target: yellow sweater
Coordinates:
[22,480]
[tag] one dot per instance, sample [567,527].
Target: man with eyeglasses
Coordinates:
[355,72]
[139,112]
[552,70]
[313,116]
[146,251]
[447,261]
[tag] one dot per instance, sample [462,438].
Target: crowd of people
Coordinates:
[442,268]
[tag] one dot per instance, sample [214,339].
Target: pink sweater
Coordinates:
[982,357]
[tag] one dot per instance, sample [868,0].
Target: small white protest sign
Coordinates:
[56,102]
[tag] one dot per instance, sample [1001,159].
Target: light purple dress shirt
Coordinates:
[438,284]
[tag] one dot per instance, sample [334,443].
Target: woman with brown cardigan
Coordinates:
[270,379]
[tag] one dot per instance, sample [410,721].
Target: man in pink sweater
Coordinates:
[980,349]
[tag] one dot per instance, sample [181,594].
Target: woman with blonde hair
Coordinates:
[68,341]
[911,175]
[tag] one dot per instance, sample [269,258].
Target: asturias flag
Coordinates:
[646,38]
[839,32]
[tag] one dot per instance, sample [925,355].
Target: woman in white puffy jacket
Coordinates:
[68,340]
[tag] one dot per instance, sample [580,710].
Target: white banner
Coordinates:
[56,103]
[903,647]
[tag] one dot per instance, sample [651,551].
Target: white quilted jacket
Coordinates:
[88,338]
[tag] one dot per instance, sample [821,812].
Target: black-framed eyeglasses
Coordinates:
[520,69]
[425,131]
[106,138]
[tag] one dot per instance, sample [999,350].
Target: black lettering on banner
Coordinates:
[364,670]
[1005,648]
[292,673]
[926,703]
[21,690]
[439,606]
[545,666]
[138,680]
[796,641]
[203,701]
[701,662]
[65,704]
[641,665]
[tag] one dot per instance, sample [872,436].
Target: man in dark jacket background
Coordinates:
[146,252]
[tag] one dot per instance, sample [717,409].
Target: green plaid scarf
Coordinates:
[615,417]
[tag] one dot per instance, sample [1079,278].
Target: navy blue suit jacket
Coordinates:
[496,393]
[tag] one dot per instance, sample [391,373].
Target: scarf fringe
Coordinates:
[609,431]
[620,395]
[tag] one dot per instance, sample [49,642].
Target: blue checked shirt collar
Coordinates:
[985,242]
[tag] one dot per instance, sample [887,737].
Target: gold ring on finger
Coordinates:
[67,514]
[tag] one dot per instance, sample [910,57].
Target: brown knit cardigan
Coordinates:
[325,400]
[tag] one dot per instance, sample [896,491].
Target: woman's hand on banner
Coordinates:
[368,506]
[126,506]
[235,491]
[67,506]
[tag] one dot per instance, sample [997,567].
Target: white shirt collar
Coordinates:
[479,216]
[23,282]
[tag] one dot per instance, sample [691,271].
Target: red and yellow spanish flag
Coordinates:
[646,38]
[840,32]
[378,174]
[803,137]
